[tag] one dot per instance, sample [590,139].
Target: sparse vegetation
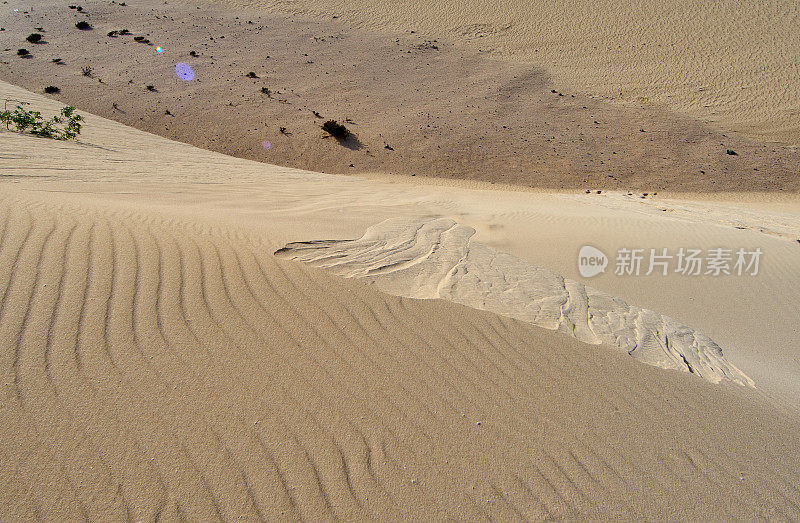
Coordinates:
[112,34]
[282,130]
[266,91]
[315,113]
[151,88]
[252,74]
[57,61]
[83,25]
[34,38]
[335,129]
[23,52]
[86,71]
[732,152]
[192,53]
[32,122]
[124,32]
[51,89]
[138,38]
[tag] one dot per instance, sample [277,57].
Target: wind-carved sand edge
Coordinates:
[435,258]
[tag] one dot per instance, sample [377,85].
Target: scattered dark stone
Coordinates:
[553,91]
[51,89]
[598,192]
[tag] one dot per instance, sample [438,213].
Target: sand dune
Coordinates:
[156,368]
[157,361]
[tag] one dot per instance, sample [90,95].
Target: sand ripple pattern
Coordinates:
[162,368]
[435,258]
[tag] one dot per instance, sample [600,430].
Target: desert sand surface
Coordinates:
[732,63]
[426,103]
[159,361]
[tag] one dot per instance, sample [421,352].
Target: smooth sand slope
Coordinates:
[157,361]
[731,62]
[424,104]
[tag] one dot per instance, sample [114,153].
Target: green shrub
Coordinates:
[32,122]
[336,129]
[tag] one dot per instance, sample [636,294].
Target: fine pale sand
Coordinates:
[157,361]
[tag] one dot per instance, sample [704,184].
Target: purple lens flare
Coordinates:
[184,71]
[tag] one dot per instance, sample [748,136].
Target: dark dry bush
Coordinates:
[336,129]
[112,34]
[23,52]
[33,38]
[731,152]
[192,53]
[83,25]
[51,89]
[138,38]
[252,74]
[266,91]
[57,60]
[124,32]
[151,88]
[86,71]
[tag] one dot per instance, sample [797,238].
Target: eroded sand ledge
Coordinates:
[435,258]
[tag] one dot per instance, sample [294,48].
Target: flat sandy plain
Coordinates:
[187,334]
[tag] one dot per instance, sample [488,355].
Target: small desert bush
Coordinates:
[252,74]
[83,25]
[86,71]
[266,91]
[32,122]
[34,38]
[57,60]
[51,89]
[336,129]
[151,88]
[112,34]
[23,52]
